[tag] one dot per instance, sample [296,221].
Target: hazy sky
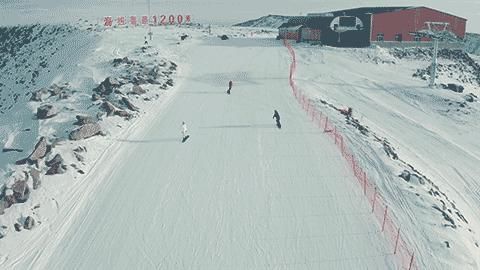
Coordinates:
[211,11]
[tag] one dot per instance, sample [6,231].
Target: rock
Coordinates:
[169,82]
[129,104]
[109,108]
[17,227]
[56,165]
[35,174]
[96,97]
[137,90]
[57,159]
[39,94]
[40,151]
[3,232]
[124,60]
[183,37]
[107,86]
[57,169]
[405,175]
[29,223]
[6,150]
[86,131]
[139,80]
[454,87]
[84,119]
[79,157]
[64,95]
[223,37]
[21,191]
[55,89]
[80,149]
[46,111]
[469,98]
[124,114]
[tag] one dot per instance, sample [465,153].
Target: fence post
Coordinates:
[396,241]
[326,122]
[374,199]
[354,165]
[320,120]
[365,183]
[342,146]
[411,261]
[384,218]
[335,134]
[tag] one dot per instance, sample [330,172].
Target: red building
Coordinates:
[398,25]
[360,27]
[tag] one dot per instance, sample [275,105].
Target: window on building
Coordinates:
[398,37]
[417,38]
[380,37]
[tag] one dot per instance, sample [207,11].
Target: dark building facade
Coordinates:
[360,27]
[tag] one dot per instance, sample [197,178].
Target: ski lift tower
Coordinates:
[436,31]
[150,34]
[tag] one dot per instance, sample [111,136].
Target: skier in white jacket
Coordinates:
[184,130]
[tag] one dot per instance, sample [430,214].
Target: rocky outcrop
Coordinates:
[39,95]
[18,227]
[129,104]
[46,111]
[454,87]
[35,174]
[124,60]
[84,119]
[107,86]
[40,151]
[109,108]
[56,165]
[137,90]
[29,223]
[21,191]
[85,131]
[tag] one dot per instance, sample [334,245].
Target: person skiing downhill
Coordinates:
[184,131]
[230,84]
[276,116]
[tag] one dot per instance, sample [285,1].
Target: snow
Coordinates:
[238,194]
[424,130]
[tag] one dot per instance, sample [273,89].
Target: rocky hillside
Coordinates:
[270,21]
[472,43]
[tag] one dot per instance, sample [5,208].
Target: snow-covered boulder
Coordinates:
[109,108]
[107,86]
[85,131]
[21,191]
[29,223]
[35,174]
[39,95]
[84,119]
[56,165]
[40,151]
[18,227]
[405,175]
[46,111]
[137,90]
[129,104]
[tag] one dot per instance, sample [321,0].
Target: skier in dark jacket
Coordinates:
[230,83]
[277,118]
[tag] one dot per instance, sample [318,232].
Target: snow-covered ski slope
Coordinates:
[405,125]
[239,194]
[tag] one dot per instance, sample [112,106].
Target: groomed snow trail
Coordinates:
[239,194]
